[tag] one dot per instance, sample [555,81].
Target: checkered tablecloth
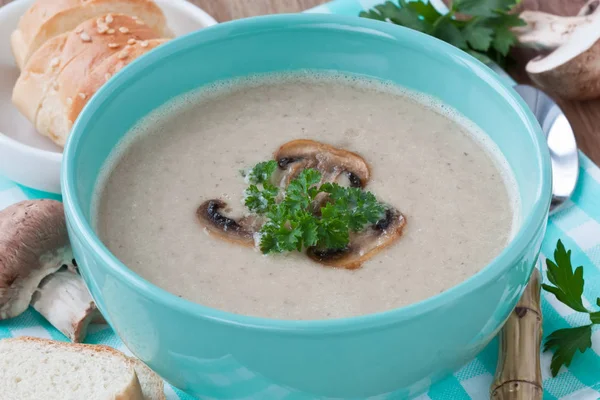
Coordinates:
[578,227]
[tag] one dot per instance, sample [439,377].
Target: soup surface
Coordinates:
[434,166]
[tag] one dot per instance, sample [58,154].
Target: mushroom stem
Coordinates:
[65,302]
[20,294]
[547,32]
[518,375]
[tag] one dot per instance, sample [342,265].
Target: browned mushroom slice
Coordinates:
[332,162]
[363,245]
[210,215]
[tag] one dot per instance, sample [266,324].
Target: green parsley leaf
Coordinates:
[268,242]
[478,36]
[506,20]
[292,223]
[278,214]
[372,14]
[568,289]
[335,191]
[259,201]
[568,284]
[279,235]
[595,317]
[483,30]
[333,233]
[365,209]
[262,172]
[288,238]
[426,10]
[504,40]
[352,205]
[301,191]
[565,343]
[404,16]
[308,225]
[253,199]
[482,8]
[447,30]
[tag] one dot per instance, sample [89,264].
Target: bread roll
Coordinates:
[65,72]
[47,19]
[105,71]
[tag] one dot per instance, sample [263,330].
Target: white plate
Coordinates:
[26,157]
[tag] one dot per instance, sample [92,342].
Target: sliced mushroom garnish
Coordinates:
[336,166]
[210,214]
[297,155]
[363,245]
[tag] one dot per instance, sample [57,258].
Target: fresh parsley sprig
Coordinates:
[479,27]
[292,223]
[567,286]
[257,200]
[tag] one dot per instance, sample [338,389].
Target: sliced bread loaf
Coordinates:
[33,369]
[152,385]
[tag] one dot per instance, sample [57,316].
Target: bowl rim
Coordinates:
[516,248]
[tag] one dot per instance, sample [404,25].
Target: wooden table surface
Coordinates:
[584,116]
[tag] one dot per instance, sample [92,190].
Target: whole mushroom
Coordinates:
[569,63]
[33,246]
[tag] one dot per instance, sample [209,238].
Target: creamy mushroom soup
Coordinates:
[451,197]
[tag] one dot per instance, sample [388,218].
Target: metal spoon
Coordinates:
[561,143]
[560,139]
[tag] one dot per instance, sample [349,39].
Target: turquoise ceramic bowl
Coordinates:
[216,354]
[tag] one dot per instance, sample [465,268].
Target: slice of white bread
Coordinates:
[49,18]
[152,385]
[63,74]
[33,369]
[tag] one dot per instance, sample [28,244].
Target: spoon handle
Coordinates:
[518,374]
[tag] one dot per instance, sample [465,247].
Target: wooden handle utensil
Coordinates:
[518,374]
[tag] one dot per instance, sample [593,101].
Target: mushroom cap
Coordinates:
[324,157]
[572,69]
[33,244]
[575,79]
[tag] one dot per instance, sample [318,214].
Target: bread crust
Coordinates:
[152,385]
[105,71]
[133,391]
[47,19]
[60,77]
